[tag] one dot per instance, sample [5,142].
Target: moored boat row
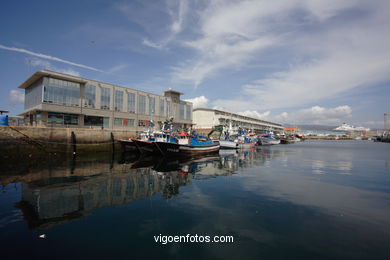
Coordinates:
[169,142]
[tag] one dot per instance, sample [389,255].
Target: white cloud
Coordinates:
[16,96]
[48,57]
[178,16]
[171,12]
[43,64]
[117,68]
[316,115]
[337,47]
[201,101]
[255,114]
[149,43]
[232,33]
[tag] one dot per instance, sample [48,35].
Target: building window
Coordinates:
[188,112]
[61,92]
[118,122]
[130,122]
[62,119]
[141,104]
[131,102]
[143,122]
[118,100]
[96,121]
[124,122]
[105,98]
[162,107]
[90,96]
[152,105]
[168,108]
[182,111]
[33,95]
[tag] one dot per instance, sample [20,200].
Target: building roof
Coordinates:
[173,92]
[39,74]
[237,115]
[291,129]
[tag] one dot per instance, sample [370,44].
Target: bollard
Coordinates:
[73,141]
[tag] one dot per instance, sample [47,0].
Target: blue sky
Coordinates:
[297,62]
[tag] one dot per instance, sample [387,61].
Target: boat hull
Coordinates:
[224,144]
[269,141]
[145,146]
[128,145]
[183,149]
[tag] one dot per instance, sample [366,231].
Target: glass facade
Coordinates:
[90,96]
[105,98]
[33,95]
[61,92]
[152,105]
[124,122]
[188,112]
[96,121]
[141,104]
[118,122]
[62,119]
[182,111]
[162,107]
[168,108]
[131,102]
[130,122]
[118,100]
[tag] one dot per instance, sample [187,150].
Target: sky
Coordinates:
[288,61]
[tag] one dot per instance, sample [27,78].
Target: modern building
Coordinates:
[205,119]
[57,99]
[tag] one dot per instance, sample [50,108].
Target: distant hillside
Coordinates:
[314,127]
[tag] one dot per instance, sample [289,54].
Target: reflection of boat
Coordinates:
[69,192]
[167,164]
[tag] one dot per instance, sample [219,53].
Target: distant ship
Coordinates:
[346,127]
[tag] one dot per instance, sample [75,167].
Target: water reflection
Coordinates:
[341,166]
[60,194]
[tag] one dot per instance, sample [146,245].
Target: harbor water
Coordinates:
[309,200]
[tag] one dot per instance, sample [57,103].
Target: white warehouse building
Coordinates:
[204,119]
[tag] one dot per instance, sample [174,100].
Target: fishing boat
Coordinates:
[247,140]
[144,143]
[226,141]
[269,139]
[187,144]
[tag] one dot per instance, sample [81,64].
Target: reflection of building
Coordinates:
[46,203]
[205,119]
[57,99]
[52,196]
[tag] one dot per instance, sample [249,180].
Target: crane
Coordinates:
[385,121]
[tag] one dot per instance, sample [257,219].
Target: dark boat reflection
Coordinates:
[58,195]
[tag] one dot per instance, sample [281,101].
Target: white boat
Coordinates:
[227,144]
[346,127]
[269,139]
